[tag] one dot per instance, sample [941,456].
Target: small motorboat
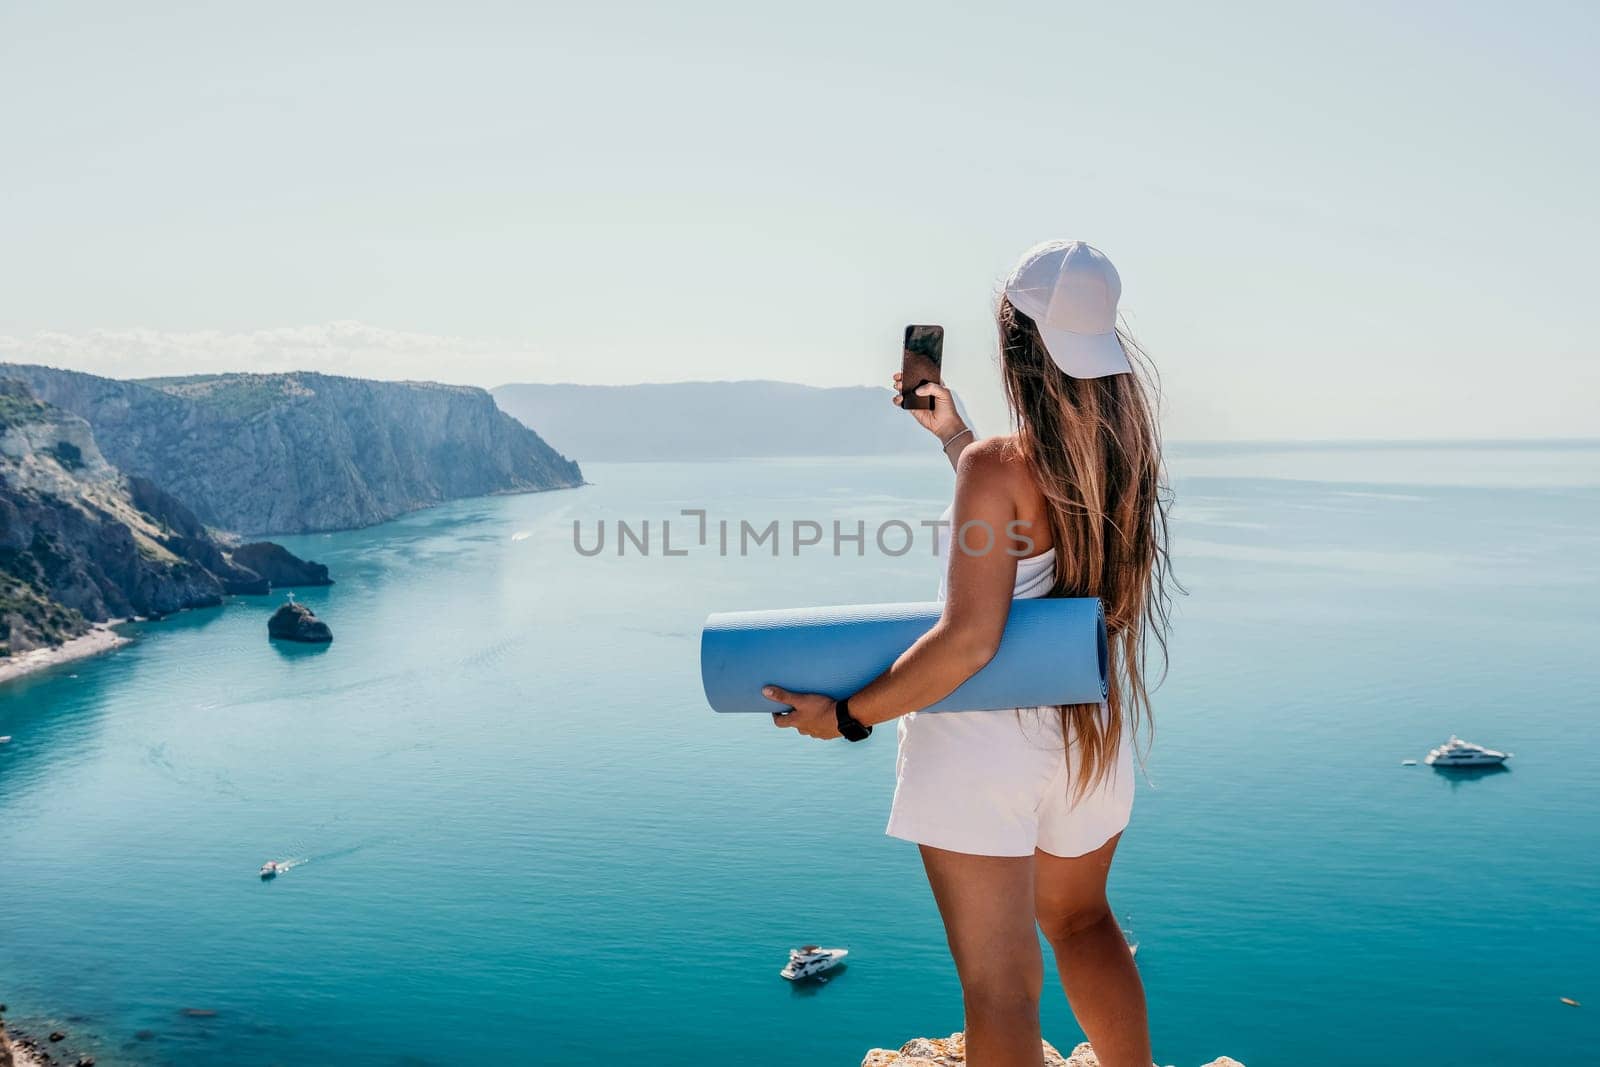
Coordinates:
[808,961]
[1133,944]
[5,739]
[1458,753]
[270,869]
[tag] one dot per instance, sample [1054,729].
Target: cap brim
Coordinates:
[1085,355]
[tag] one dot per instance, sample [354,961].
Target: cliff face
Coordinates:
[295,453]
[81,543]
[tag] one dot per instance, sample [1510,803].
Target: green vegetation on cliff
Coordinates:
[17,404]
[29,619]
[232,396]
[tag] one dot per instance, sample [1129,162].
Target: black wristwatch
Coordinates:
[848,726]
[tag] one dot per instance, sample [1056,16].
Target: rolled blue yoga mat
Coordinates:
[1053,651]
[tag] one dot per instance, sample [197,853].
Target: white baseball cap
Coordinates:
[1070,291]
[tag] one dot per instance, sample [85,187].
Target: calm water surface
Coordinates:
[522,838]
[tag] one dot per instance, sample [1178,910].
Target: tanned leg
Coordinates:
[1097,970]
[988,910]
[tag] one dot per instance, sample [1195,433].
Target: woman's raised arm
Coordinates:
[942,420]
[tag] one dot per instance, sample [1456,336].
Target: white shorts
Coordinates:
[995,783]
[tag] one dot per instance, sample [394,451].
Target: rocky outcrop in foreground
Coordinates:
[952,1052]
[303,452]
[21,1051]
[295,622]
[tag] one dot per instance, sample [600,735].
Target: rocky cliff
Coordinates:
[294,453]
[80,542]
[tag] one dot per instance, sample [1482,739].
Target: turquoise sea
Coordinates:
[523,838]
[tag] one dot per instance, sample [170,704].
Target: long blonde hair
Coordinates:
[1094,448]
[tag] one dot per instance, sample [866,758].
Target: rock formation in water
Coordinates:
[952,1052]
[82,543]
[295,622]
[301,452]
[280,567]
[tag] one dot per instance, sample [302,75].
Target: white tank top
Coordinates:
[1036,575]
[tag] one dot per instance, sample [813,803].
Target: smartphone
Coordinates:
[920,362]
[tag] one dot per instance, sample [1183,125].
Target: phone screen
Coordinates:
[921,362]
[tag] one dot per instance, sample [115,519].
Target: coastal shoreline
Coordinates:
[101,638]
[18,1049]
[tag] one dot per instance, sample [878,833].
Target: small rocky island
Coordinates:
[295,622]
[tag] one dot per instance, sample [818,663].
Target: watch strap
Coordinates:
[849,727]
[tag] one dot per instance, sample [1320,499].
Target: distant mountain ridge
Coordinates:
[713,420]
[304,452]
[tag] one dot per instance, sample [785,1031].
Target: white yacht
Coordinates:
[811,960]
[269,870]
[1458,753]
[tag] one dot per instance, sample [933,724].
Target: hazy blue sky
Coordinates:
[1332,220]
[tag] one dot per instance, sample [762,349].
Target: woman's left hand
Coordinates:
[812,713]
